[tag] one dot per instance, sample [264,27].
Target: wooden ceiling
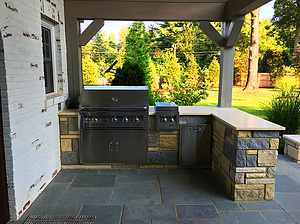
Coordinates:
[160,10]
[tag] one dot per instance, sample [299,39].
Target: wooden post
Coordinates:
[74,61]
[226,70]
[74,42]
[227,41]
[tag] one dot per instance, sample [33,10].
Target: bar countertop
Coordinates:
[237,119]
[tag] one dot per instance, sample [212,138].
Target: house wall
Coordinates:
[30,120]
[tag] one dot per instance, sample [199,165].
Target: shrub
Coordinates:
[157,96]
[131,74]
[284,111]
[184,94]
[287,85]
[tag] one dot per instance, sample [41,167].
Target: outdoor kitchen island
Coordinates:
[243,148]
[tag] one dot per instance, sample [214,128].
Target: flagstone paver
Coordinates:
[165,196]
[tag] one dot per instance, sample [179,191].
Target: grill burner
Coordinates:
[117,119]
[114,124]
[167,116]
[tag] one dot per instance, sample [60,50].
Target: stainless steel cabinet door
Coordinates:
[194,146]
[131,146]
[107,146]
[97,146]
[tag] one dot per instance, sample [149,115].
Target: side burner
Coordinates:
[167,116]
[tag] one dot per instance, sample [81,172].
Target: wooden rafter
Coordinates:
[90,31]
[228,38]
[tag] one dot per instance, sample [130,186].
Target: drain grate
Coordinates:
[59,219]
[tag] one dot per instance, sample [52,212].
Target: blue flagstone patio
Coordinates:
[165,196]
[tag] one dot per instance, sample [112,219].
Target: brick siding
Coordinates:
[30,120]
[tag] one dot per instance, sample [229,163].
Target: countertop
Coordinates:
[237,119]
[293,138]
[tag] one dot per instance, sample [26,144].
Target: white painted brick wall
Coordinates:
[30,120]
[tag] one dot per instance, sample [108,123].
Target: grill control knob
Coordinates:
[114,119]
[125,119]
[94,119]
[171,119]
[136,119]
[164,119]
[87,119]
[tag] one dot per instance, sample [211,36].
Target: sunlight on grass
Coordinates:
[250,102]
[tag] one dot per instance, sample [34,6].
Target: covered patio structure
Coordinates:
[230,12]
[244,147]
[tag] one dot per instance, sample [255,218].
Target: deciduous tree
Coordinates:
[287,18]
[252,80]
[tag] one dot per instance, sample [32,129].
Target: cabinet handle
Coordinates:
[196,130]
[109,146]
[117,143]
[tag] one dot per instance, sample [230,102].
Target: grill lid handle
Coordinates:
[195,130]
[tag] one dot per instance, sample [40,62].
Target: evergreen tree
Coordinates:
[153,76]
[136,58]
[173,72]
[192,72]
[90,73]
[212,73]
[186,42]
[167,34]
[137,46]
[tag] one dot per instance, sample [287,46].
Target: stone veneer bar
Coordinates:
[69,137]
[292,146]
[244,148]
[245,161]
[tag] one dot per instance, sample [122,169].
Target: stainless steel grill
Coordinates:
[113,124]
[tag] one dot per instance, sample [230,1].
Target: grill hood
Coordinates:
[113,97]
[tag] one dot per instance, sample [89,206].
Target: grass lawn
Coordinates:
[250,102]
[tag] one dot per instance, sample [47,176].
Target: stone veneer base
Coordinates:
[244,161]
[292,146]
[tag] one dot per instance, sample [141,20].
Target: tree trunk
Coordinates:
[252,81]
[296,42]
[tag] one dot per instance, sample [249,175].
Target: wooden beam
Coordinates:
[234,31]
[90,31]
[145,10]
[242,7]
[212,33]
[159,1]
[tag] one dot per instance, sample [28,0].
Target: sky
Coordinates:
[266,11]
